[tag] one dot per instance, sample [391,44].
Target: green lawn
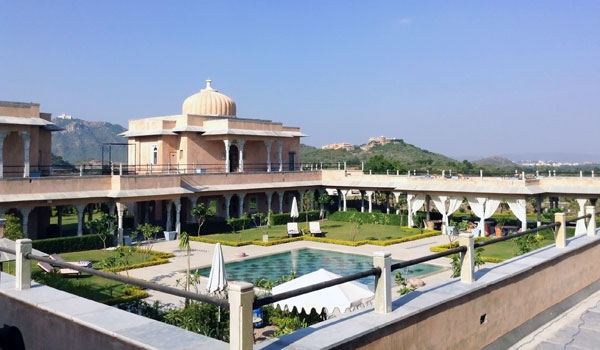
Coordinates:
[69,221]
[91,287]
[338,230]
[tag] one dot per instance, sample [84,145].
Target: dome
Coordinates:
[209,102]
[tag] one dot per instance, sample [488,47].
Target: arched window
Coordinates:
[154,154]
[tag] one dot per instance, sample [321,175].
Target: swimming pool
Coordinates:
[304,261]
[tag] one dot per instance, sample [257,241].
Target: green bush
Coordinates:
[71,244]
[282,219]
[370,218]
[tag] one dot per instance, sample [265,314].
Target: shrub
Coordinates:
[71,244]
[12,228]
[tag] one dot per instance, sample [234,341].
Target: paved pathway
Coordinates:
[168,274]
[578,329]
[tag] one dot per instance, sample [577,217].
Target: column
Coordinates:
[467,269]
[591,225]
[383,282]
[370,198]
[538,209]
[344,195]
[227,147]
[169,224]
[427,208]
[280,155]
[177,216]
[269,199]
[241,296]
[241,143]
[25,225]
[339,192]
[280,196]
[241,197]
[362,201]
[26,141]
[120,211]
[387,202]
[396,201]
[227,204]
[111,208]
[23,265]
[268,144]
[301,200]
[59,212]
[3,134]
[80,211]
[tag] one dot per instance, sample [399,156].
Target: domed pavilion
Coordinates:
[209,137]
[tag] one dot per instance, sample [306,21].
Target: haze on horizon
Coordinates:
[466,79]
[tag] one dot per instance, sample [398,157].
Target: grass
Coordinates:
[501,251]
[91,287]
[335,230]
[69,221]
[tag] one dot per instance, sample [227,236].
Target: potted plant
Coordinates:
[499,225]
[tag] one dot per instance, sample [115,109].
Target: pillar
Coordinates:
[59,213]
[111,208]
[241,197]
[280,197]
[362,201]
[25,224]
[280,154]
[427,208]
[120,211]
[397,201]
[241,143]
[80,211]
[467,267]
[227,143]
[177,203]
[227,204]
[169,225]
[383,282]
[370,198]
[387,202]
[538,209]
[3,135]
[241,330]
[26,142]
[591,226]
[268,144]
[561,232]
[339,192]
[269,196]
[344,195]
[23,265]
[301,200]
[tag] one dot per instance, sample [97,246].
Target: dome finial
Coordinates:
[208,85]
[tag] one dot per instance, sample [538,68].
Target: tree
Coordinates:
[103,227]
[148,231]
[324,200]
[12,227]
[184,243]
[308,198]
[379,163]
[202,212]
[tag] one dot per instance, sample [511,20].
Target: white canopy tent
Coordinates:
[335,300]
[519,208]
[483,208]
[414,202]
[446,205]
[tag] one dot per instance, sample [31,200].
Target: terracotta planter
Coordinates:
[498,230]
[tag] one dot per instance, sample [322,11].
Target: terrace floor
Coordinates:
[168,274]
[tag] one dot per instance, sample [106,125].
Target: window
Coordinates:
[154,154]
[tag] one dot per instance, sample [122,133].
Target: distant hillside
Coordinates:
[497,162]
[400,151]
[82,140]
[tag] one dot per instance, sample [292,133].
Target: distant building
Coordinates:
[64,116]
[341,145]
[381,140]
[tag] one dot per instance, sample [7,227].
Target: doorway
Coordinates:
[234,159]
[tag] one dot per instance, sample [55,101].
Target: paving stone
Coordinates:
[585,339]
[549,346]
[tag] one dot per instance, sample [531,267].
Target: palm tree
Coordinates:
[184,243]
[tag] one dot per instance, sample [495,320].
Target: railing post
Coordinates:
[467,267]
[383,283]
[23,265]
[561,233]
[80,169]
[591,226]
[120,169]
[241,331]
[345,166]
[362,166]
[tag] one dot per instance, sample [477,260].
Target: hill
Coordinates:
[497,162]
[400,151]
[82,140]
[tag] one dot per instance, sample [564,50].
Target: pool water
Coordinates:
[303,261]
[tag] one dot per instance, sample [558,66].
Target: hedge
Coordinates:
[380,218]
[158,259]
[244,243]
[445,247]
[220,225]
[426,234]
[71,244]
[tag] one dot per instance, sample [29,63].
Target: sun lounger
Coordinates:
[62,271]
[315,228]
[292,229]
[83,263]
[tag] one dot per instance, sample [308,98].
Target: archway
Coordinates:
[234,159]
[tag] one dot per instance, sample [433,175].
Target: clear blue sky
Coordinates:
[459,78]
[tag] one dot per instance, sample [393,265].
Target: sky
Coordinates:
[461,78]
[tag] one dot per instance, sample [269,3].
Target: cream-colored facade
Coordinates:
[208,137]
[25,140]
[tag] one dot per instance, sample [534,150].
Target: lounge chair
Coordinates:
[292,229]
[83,263]
[315,228]
[62,271]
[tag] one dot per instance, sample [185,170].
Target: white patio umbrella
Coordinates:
[335,300]
[217,280]
[294,211]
